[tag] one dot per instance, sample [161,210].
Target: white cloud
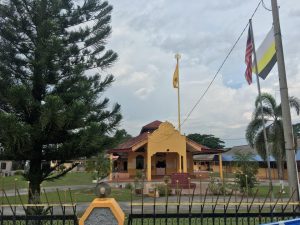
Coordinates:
[147,34]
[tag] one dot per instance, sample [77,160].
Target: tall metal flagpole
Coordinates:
[285,106]
[262,113]
[177,57]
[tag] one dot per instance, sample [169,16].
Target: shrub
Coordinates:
[19,172]
[248,170]
[163,189]
[167,179]
[129,186]
[139,179]
[216,187]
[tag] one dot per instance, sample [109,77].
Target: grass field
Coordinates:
[86,195]
[78,178]
[82,195]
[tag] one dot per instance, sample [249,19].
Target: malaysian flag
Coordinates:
[248,57]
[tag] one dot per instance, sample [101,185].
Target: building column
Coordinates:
[184,159]
[110,166]
[148,166]
[179,163]
[220,166]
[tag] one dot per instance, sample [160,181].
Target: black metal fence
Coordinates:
[178,209]
[230,209]
[37,214]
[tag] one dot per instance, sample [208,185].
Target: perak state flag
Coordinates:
[266,55]
[248,57]
[176,76]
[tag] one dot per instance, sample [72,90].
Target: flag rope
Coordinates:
[220,67]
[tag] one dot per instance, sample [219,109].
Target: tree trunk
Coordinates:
[280,169]
[34,193]
[34,189]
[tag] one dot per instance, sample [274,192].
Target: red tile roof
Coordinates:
[127,145]
[150,127]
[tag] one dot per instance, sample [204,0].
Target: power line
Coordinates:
[264,5]
[220,67]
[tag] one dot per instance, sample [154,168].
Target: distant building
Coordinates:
[229,162]
[158,150]
[6,167]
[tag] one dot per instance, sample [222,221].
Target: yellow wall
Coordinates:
[132,162]
[262,172]
[166,139]
[172,163]
[198,167]
[190,162]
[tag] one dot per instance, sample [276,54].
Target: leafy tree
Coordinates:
[208,140]
[296,128]
[99,166]
[53,75]
[121,136]
[274,129]
[248,167]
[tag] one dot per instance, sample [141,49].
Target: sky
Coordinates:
[147,34]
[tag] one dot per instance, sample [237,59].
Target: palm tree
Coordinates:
[274,129]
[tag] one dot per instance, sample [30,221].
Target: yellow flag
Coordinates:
[176,76]
[266,55]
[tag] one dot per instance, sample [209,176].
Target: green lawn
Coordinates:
[76,178]
[264,190]
[83,195]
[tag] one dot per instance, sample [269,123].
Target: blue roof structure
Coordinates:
[230,158]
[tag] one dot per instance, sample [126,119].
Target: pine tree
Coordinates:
[53,65]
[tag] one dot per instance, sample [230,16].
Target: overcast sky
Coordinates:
[147,34]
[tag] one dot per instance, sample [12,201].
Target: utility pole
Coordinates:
[286,114]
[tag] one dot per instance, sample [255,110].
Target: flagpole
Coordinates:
[285,107]
[262,113]
[177,57]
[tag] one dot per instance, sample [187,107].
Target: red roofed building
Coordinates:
[158,150]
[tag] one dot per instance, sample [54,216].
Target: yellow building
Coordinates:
[158,150]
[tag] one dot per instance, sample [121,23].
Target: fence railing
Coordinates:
[202,208]
[211,209]
[37,214]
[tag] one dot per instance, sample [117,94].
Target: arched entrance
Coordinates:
[165,163]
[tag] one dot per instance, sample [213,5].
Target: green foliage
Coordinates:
[53,73]
[207,140]
[120,137]
[139,175]
[297,129]
[167,179]
[274,128]
[99,166]
[129,186]
[19,172]
[163,189]
[139,179]
[248,168]
[217,187]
